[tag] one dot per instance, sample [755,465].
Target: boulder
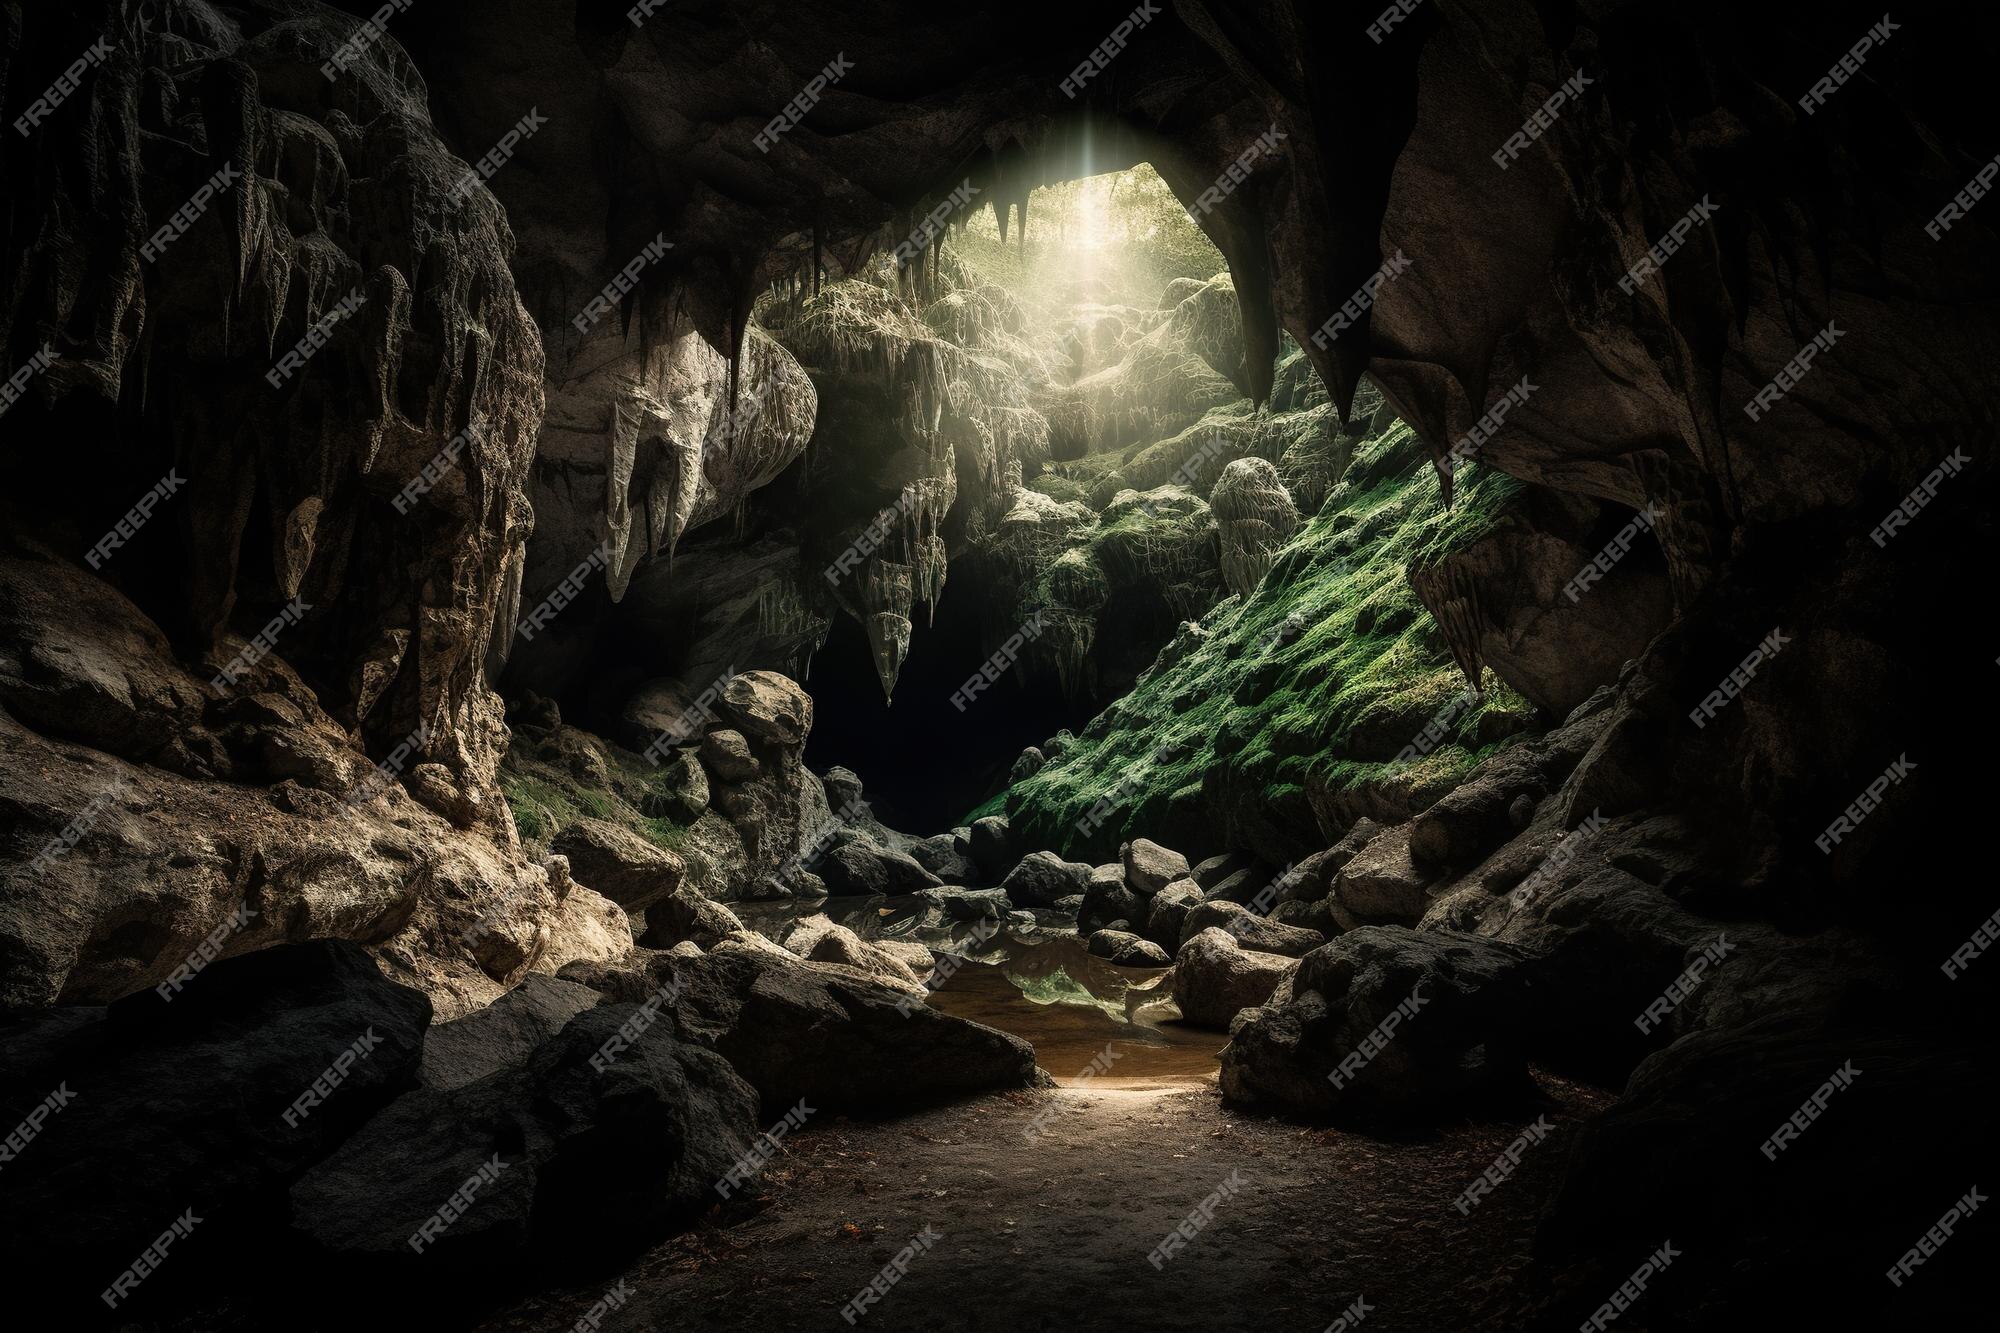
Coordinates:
[1242,886]
[1168,909]
[1150,867]
[504,1034]
[618,863]
[1382,883]
[1214,978]
[1043,878]
[727,755]
[769,708]
[858,866]
[992,847]
[1070,906]
[686,915]
[1028,763]
[1257,933]
[680,789]
[831,1035]
[201,1099]
[1218,868]
[1126,949]
[1388,1025]
[1106,899]
[966,904]
[841,945]
[917,957]
[612,1131]
[948,856]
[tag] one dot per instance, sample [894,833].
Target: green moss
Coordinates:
[545,798]
[1239,727]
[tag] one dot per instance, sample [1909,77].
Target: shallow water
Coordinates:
[1091,1024]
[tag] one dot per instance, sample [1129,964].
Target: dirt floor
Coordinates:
[1056,1235]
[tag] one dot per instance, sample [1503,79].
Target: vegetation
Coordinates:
[553,781]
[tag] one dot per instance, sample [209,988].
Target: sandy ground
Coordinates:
[1056,1236]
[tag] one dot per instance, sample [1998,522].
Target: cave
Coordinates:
[1221,663]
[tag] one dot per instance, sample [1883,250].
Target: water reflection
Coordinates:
[1030,975]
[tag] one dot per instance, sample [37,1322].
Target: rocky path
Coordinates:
[1056,1235]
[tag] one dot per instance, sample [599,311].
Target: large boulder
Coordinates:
[1106,899]
[504,1034]
[1215,978]
[727,755]
[860,867]
[1125,949]
[966,904]
[1168,910]
[618,863]
[948,856]
[1383,883]
[838,944]
[831,1034]
[769,708]
[1257,933]
[1150,867]
[1386,1024]
[613,1130]
[1041,879]
[210,1098]
[992,847]
[685,915]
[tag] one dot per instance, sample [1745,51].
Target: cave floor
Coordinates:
[1056,1235]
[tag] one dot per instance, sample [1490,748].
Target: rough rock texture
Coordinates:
[1215,978]
[1456,1039]
[1042,879]
[503,1034]
[1254,932]
[1150,867]
[618,863]
[1125,949]
[1167,910]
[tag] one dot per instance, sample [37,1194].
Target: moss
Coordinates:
[1313,684]
[545,798]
